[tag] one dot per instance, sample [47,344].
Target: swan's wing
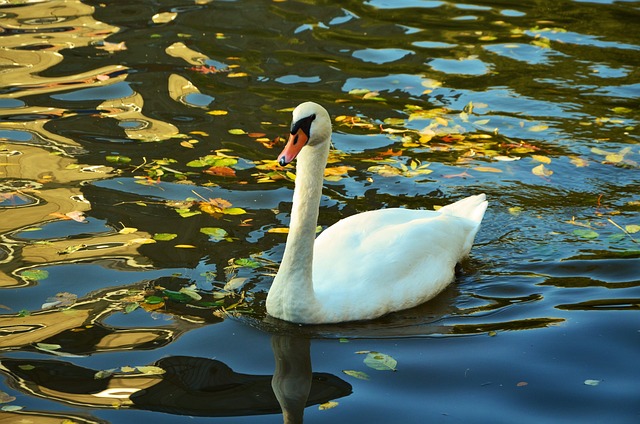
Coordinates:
[393,258]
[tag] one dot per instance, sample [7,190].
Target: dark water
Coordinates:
[157,119]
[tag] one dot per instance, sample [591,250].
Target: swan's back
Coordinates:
[385,260]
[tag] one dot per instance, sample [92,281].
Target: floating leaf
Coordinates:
[538,128]
[185,246]
[35,274]
[130,307]
[487,169]
[6,397]
[237,131]
[247,262]
[540,158]
[621,110]
[150,370]
[357,374]
[279,230]
[632,229]
[236,74]
[522,384]
[585,233]
[215,234]
[154,300]
[218,112]
[164,236]
[234,283]
[234,211]
[380,361]
[327,405]
[26,367]
[579,162]
[118,159]
[186,213]
[11,408]
[515,210]
[102,374]
[191,292]
[541,171]
[591,382]
[48,346]
[128,230]
[164,17]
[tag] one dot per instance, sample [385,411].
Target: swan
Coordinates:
[366,265]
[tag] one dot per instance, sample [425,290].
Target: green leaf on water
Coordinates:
[130,307]
[632,229]
[584,233]
[118,159]
[186,213]
[26,367]
[247,262]
[11,408]
[591,382]
[379,361]
[48,346]
[357,374]
[215,234]
[153,300]
[164,236]
[233,211]
[35,274]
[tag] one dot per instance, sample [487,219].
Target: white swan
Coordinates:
[368,264]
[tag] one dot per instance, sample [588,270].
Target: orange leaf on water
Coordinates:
[221,171]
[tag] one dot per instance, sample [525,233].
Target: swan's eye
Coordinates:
[303,124]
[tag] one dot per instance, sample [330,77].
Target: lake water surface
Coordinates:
[143,216]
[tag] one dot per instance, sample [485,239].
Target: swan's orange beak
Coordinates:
[296,142]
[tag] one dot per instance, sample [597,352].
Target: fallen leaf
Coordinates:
[217,112]
[540,158]
[591,382]
[380,361]
[220,171]
[215,234]
[538,128]
[487,169]
[35,274]
[128,230]
[237,131]
[585,233]
[327,405]
[357,374]
[112,47]
[77,216]
[522,384]
[541,171]
[164,17]
[164,236]
[632,229]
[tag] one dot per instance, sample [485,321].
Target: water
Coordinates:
[114,110]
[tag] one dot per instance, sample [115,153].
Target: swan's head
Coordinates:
[311,126]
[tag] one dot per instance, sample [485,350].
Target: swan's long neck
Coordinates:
[291,296]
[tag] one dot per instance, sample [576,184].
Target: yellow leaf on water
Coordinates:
[217,112]
[487,169]
[186,144]
[164,17]
[236,74]
[237,131]
[128,230]
[538,128]
[327,405]
[614,157]
[278,230]
[541,171]
[540,158]
[579,162]
[185,246]
[515,210]
[632,229]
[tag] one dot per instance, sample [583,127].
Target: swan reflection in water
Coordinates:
[185,385]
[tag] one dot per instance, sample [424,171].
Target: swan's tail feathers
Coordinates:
[472,207]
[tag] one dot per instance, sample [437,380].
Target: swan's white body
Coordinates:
[368,264]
